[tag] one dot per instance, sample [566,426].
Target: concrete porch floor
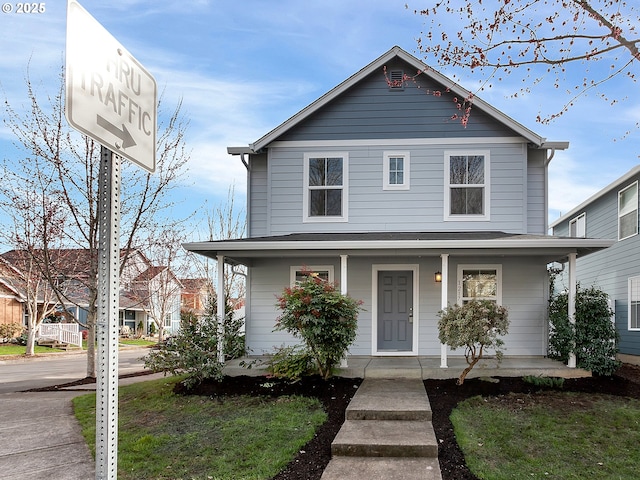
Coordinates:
[429,367]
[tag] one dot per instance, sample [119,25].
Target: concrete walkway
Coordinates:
[387,434]
[41,438]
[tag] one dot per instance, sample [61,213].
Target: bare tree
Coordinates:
[157,289]
[226,222]
[540,38]
[31,205]
[72,161]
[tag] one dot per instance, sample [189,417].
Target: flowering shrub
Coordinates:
[475,326]
[324,319]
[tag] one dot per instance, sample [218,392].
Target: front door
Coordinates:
[395,310]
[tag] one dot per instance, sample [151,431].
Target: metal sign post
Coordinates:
[111,98]
[107,321]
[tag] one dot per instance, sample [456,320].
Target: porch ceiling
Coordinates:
[387,244]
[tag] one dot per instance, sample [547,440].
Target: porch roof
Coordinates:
[551,248]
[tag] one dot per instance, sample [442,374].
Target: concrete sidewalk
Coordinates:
[41,438]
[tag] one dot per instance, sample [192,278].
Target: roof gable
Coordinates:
[377,66]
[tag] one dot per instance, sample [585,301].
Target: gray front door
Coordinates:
[395,310]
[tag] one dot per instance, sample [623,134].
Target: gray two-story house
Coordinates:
[612,213]
[383,186]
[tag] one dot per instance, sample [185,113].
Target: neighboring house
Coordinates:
[12,308]
[195,295]
[612,213]
[380,187]
[141,285]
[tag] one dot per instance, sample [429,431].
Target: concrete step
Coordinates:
[387,468]
[390,399]
[385,438]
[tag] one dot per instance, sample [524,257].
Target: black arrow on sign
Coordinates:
[124,135]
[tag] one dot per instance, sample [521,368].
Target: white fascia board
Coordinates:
[400,244]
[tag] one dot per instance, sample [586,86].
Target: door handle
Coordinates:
[411,315]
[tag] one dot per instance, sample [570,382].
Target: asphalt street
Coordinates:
[24,374]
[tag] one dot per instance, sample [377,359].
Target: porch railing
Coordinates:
[68,333]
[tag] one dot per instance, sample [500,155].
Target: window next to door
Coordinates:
[479,282]
[466,195]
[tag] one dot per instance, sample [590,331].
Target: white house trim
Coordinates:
[444,302]
[394,142]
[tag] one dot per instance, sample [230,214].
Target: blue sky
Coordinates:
[244,66]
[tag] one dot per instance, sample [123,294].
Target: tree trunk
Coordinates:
[31,339]
[160,331]
[91,343]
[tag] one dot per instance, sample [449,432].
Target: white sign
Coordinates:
[109,96]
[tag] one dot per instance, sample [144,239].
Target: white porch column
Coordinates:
[220,305]
[343,274]
[343,290]
[444,302]
[572,302]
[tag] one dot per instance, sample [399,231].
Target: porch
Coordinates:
[429,367]
[60,335]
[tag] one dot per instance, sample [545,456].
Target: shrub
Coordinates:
[326,320]
[291,363]
[475,326]
[192,350]
[9,330]
[593,338]
[545,382]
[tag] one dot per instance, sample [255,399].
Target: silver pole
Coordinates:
[107,321]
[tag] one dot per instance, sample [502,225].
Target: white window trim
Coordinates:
[576,221]
[634,184]
[406,169]
[448,217]
[313,268]
[375,268]
[629,327]
[497,267]
[306,218]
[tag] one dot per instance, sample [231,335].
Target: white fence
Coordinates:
[68,333]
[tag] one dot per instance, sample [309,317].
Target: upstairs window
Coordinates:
[396,171]
[628,212]
[467,186]
[578,226]
[325,197]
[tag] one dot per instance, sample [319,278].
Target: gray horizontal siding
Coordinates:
[258,209]
[420,208]
[524,293]
[370,110]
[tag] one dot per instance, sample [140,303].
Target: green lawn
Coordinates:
[20,349]
[140,342]
[167,436]
[559,435]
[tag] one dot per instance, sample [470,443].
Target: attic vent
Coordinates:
[396,80]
